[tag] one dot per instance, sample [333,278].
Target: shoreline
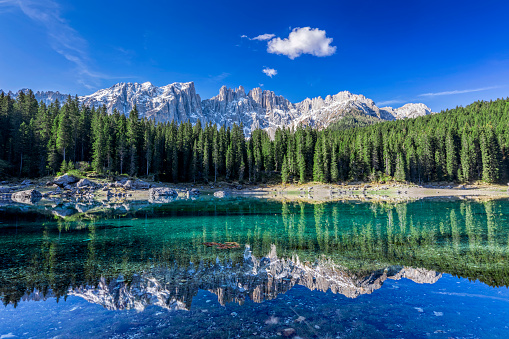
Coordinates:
[309,192]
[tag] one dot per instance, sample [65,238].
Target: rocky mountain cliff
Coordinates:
[255,109]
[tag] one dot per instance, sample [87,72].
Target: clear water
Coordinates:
[334,270]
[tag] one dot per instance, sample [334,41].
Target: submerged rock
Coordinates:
[194,191]
[27,197]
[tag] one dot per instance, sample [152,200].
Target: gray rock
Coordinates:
[128,184]
[162,192]
[118,184]
[26,197]
[220,194]
[26,182]
[5,189]
[68,187]
[140,185]
[65,179]
[85,183]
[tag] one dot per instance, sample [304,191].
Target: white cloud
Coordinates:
[264,37]
[389,102]
[261,37]
[269,71]
[303,40]
[458,91]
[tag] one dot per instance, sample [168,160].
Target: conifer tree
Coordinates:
[285,170]
[399,172]
[451,157]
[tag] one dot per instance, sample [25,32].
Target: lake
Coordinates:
[226,268]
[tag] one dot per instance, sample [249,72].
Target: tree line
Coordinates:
[463,144]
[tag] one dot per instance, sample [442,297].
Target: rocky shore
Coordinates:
[92,191]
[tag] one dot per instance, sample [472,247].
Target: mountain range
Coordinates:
[255,109]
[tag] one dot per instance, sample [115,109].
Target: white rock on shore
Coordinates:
[162,191]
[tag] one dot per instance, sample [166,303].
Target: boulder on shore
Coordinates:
[26,197]
[162,192]
[194,191]
[128,184]
[65,179]
[140,185]
[85,183]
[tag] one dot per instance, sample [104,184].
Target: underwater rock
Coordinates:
[288,332]
[27,197]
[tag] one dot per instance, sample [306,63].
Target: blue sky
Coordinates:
[441,53]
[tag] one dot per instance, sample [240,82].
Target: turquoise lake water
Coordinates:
[231,268]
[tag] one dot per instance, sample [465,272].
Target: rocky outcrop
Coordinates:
[408,111]
[27,197]
[173,102]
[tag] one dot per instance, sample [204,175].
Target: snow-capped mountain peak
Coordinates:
[257,108]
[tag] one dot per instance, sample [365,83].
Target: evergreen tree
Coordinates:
[399,172]
[284,170]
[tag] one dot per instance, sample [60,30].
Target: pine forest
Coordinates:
[464,144]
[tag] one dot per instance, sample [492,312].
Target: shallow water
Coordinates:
[347,270]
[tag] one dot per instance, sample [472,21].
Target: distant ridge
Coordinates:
[255,109]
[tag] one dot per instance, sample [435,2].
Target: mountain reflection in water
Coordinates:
[149,254]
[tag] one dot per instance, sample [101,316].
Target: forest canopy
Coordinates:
[462,144]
